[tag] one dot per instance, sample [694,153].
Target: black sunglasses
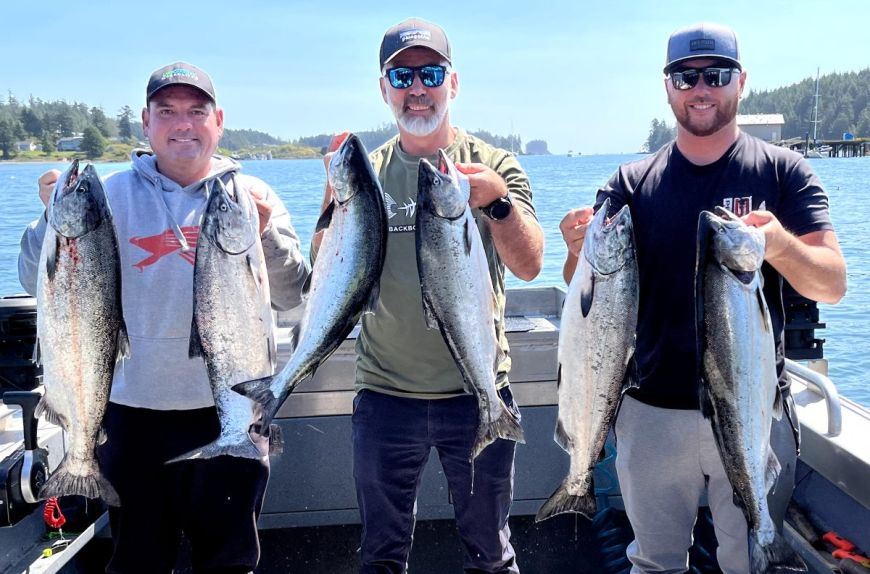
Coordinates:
[687,78]
[402,77]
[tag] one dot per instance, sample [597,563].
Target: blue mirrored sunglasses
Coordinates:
[687,78]
[402,77]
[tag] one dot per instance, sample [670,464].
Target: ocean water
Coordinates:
[559,183]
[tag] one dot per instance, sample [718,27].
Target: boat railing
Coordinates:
[822,385]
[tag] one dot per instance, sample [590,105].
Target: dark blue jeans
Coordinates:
[392,437]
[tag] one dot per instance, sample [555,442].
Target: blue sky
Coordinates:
[581,75]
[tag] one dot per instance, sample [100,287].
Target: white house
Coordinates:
[763,126]
[69,143]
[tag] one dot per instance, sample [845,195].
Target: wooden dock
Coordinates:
[859,147]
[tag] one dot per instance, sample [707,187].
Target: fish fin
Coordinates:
[506,426]
[325,218]
[467,235]
[195,347]
[123,342]
[255,272]
[772,470]
[561,501]
[372,302]
[102,437]
[51,257]
[294,335]
[705,402]
[762,306]
[561,436]
[778,405]
[90,485]
[778,556]
[587,292]
[559,376]
[243,449]
[429,314]
[306,287]
[44,410]
[260,391]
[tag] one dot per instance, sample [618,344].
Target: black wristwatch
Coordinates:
[499,209]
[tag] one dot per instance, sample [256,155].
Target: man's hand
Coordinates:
[573,227]
[46,184]
[776,238]
[264,208]
[486,185]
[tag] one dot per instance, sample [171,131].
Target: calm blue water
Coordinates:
[559,183]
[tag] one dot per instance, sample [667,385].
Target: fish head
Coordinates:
[230,223]
[442,190]
[609,242]
[347,165]
[735,245]
[78,204]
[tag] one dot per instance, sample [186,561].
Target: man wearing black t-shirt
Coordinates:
[667,457]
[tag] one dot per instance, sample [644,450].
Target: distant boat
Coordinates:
[570,153]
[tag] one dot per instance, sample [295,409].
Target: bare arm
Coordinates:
[812,263]
[518,238]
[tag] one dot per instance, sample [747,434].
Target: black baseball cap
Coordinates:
[704,40]
[414,32]
[179,73]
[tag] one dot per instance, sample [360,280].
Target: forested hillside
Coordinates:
[844,105]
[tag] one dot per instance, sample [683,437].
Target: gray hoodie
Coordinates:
[157,277]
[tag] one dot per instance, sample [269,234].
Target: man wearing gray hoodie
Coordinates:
[161,404]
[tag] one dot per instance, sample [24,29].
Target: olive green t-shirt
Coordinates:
[396,352]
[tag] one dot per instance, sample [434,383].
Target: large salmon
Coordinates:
[738,380]
[345,278]
[80,326]
[232,324]
[596,343]
[458,298]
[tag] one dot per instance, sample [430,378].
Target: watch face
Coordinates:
[500,209]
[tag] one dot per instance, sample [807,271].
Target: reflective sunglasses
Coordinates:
[687,78]
[402,77]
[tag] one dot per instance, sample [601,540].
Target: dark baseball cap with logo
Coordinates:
[179,73]
[704,40]
[411,33]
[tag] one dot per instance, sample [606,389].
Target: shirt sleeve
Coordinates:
[28,256]
[517,181]
[287,268]
[803,204]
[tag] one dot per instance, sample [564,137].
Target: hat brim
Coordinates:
[670,67]
[403,48]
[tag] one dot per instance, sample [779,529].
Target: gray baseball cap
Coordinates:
[414,32]
[703,40]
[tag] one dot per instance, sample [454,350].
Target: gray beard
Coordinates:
[417,126]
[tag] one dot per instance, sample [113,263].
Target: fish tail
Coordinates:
[563,501]
[241,449]
[260,391]
[506,426]
[91,485]
[778,556]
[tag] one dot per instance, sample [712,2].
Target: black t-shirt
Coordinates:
[666,194]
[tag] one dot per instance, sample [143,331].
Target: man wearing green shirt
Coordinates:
[410,393]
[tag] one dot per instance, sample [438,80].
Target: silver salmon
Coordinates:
[738,380]
[80,326]
[232,324]
[596,343]
[345,280]
[458,298]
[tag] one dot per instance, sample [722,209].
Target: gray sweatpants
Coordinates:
[666,459]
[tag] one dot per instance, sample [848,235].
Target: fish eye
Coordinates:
[224,207]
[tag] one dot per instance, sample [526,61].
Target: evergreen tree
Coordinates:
[93,142]
[47,143]
[660,133]
[8,136]
[125,119]
[100,121]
